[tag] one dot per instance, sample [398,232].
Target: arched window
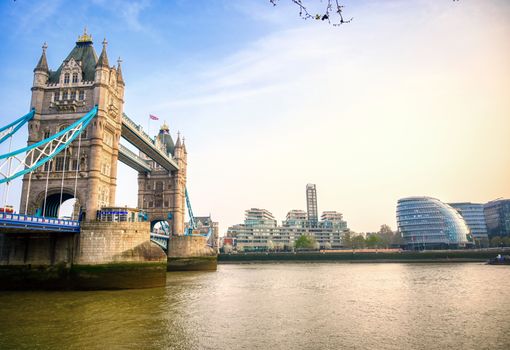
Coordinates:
[75,77]
[66,78]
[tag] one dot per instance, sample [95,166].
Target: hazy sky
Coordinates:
[411,98]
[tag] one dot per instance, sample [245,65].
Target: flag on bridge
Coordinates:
[153,117]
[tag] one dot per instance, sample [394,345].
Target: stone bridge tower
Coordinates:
[161,193]
[61,97]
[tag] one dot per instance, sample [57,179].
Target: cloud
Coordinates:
[31,15]
[128,11]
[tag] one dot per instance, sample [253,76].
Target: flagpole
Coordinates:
[149,126]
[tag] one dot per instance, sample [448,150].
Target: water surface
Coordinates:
[280,306]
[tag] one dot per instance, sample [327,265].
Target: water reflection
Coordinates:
[284,306]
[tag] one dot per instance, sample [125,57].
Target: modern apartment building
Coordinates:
[262,235]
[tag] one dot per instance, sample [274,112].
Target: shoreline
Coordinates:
[362,257]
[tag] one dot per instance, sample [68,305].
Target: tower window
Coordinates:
[66,78]
[75,77]
[82,95]
[56,96]
[73,95]
[65,95]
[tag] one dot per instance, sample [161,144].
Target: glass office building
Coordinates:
[497,217]
[428,223]
[475,219]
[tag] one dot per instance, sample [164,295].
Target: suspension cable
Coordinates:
[50,163]
[29,183]
[62,183]
[76,174]
[8,184]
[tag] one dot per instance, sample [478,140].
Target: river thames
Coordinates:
[276,306]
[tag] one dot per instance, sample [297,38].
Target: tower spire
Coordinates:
[103,58]
[120,79]
[42,65]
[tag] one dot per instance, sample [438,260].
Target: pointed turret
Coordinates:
[103,58]
[184,145]
[178,142]
[120,79]
[42,65]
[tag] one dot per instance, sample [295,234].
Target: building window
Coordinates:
[46,134]
[75,77]
[151,204]
[84,134]
[65,95]
[47,165]
[66,78]
[82,95]
[59,163]
[73,95]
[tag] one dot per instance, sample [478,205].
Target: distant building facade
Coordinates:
[473,214]
[497,217]
[428,223]
[261,235]
[204,223]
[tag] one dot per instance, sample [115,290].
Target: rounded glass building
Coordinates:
[428,223]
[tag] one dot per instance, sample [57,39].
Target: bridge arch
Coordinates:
[161,224]
[54,201]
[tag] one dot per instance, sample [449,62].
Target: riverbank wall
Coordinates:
[364,257]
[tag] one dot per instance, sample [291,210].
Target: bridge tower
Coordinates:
[88,170]
[162,193]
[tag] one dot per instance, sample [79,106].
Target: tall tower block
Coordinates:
[311,205]
[61,97]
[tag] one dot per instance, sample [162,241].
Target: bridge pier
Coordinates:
[105,255]
[191,253]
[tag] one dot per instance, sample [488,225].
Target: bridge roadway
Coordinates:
[134,134]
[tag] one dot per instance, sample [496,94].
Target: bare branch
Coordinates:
[333,9]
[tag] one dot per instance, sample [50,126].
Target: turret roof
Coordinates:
[83,52]
[103,57]
[43,63]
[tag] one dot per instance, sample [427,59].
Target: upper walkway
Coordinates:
[134,134]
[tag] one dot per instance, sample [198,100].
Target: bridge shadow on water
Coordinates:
[152,318]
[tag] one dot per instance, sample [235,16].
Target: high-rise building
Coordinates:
[475,219]
[427,222]
[311,205]
[497,217]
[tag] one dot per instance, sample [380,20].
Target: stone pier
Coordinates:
[105,255]
[191,253]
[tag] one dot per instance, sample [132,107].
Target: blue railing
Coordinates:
[10,220]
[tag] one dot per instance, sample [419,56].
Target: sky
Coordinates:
[412,98]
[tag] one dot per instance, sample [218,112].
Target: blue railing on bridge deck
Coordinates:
[21,221]
[161,240]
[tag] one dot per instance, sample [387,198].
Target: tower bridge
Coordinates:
[75,125]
